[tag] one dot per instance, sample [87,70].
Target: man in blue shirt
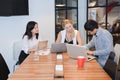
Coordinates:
[102,40]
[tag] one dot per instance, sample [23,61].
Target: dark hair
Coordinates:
[116,27]
[90,25]
[29,27]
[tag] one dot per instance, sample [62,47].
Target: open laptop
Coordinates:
[61,47]
[75,50]
[42,44]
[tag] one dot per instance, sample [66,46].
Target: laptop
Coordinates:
[42,44]
[58,47]
[75,50]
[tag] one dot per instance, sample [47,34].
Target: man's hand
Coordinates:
[89,52]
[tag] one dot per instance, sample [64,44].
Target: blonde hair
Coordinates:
[67,21]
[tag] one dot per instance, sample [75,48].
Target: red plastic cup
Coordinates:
[81,61]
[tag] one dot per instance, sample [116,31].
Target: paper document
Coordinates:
[59,67]
[59,56]
[43,52]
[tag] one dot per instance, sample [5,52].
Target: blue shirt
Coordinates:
[103,42]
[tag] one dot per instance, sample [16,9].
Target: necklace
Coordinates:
[68,37]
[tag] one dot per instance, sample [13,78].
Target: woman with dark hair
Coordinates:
[116,28]
[30,37]
[30,40]
[115,31]
[30,26]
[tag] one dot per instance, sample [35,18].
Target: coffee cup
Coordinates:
[81,62]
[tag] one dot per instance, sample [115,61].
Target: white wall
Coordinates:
[42,11]
[12,28]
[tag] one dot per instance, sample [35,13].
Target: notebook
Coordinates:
[42,44]
[61,47]
[75,50]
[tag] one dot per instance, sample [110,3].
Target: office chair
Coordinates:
[117,76]
[4,70]
[110,66]
[117,52]
[17,46]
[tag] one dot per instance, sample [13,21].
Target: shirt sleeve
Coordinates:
[91,43]
[25,44]
[107,45]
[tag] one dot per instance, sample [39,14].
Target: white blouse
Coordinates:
[63,33]
[29,43]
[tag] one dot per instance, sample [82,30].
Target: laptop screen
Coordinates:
[61,47]
[75,50]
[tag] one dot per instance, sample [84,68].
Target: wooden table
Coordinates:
[44,69]
[93,71]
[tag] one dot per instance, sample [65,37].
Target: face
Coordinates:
[68,27]
[93,32]
[35,29]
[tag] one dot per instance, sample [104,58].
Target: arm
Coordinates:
[32,49]
[91,43]
[26,46]
[106,45]
[79,38]
[59,37]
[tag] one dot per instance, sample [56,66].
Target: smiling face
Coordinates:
[35,29]
[68,27]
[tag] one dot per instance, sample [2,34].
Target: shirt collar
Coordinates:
[98,32]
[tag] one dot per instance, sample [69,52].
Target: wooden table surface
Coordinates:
[93,71]
[44,69]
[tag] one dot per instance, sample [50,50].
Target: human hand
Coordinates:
[89,52]
[45,48]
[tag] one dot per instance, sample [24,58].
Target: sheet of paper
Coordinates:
[59,67]
[43,52]
[59,56]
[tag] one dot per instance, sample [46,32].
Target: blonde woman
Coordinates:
[69,34]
